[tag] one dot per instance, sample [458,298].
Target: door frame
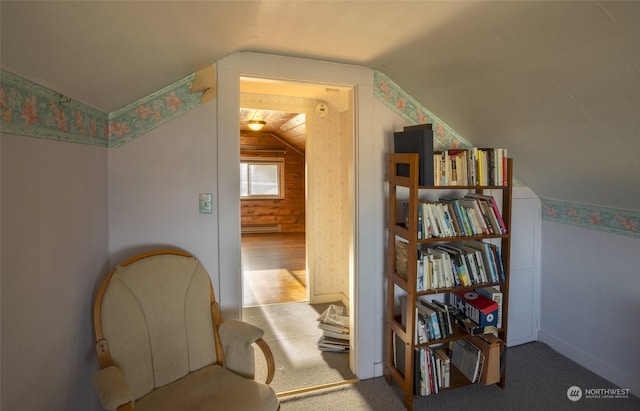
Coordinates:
[364,207]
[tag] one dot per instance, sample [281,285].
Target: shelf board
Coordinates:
[402,231]
[445,290]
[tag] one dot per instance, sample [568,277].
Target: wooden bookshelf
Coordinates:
[409,190]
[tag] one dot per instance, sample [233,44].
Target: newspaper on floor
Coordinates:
[334,323]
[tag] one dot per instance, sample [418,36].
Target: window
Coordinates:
[261,178]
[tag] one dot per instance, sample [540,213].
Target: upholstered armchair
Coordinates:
[162,344]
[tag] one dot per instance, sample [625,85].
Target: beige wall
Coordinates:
[154,184]
[54,254]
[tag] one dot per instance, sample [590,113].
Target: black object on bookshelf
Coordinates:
[416,139]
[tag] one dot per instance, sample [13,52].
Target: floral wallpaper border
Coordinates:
[30,109]
[151,111]
[611,220]
[411,110]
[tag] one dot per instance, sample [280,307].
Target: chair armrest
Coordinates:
[112,388]
[237,338]
[239,331]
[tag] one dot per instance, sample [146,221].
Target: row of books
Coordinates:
[475,214]
[479,358]
[434,365]
[473,166]
[334,323]
[471,262]
[470,167]
[432,370]
[435,320]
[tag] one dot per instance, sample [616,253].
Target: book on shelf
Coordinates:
[461,215]
[427,326]
[492,166]
[487,257]
[438,316]
[467,358]
[429,371]
[447,315]
[492,349]
[493,206]
[441,271]
[470,167]
[458,262]
[498,258]
[456,217]
[443,362]
[476,261]
[495,295]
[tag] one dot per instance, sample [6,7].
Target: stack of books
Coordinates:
[334,323]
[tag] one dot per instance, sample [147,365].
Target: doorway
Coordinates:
[307,264]
[366,173]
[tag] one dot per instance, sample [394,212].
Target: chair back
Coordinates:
[153,314]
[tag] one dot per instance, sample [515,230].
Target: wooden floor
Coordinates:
[273,268]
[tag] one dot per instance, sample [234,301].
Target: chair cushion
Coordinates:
[210,388]
[156,317]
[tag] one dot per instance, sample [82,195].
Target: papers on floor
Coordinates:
[334,323]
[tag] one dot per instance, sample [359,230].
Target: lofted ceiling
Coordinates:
[557,83]
[288,128]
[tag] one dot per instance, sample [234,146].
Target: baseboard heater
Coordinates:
[261,228]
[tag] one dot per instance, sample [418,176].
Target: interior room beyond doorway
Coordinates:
[273,268]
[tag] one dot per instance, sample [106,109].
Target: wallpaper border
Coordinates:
[149,112]
[29,109]
[411,110]
[611,220]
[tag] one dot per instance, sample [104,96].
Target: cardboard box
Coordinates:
[492,348]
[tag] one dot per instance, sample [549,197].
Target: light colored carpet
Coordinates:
[291,330]
[537,379]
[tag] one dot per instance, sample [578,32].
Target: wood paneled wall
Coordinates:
[289,212]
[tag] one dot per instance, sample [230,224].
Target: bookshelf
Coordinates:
[406,287]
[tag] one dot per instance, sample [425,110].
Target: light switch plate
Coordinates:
[205,203]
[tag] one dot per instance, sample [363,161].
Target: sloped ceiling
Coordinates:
[557,83]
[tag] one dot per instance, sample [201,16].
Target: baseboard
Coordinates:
[329,298]
[606,371]
[260,228]
[378,369]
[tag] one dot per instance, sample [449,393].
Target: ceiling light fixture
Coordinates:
[256,125]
